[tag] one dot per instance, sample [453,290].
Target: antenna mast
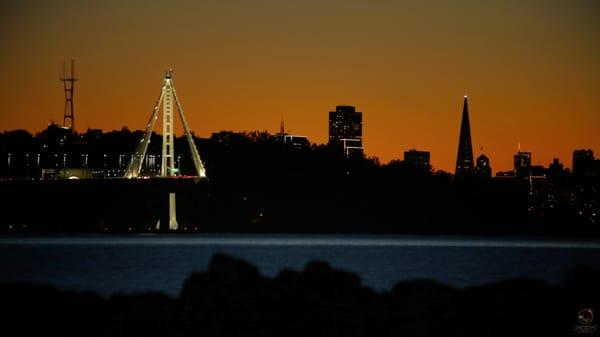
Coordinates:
[69,85]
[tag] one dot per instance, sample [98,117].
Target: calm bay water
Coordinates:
[135,263]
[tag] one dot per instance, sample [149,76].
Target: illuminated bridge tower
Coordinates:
[464,159]
[167,99]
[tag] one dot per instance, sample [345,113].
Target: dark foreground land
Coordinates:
[233,299]
[395,204]
[257,184]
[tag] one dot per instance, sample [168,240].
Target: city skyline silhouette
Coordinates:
[300,168]
[529,70]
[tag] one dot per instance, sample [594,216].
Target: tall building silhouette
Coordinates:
[418,159]
[483,170]
[556,169]
[464,160]
[583,162]
[522,164]
[345,130]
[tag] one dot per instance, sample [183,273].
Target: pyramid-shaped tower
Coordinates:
[464,160]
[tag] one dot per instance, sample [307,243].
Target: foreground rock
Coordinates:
[233,299]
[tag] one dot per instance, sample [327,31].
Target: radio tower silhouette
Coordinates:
[69,85]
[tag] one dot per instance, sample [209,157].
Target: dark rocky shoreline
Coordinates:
[233,299]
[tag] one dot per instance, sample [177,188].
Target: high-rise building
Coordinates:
[522,164]
[345,130]
[583,162]
[417,158]
[556,165]
[483,168]
[556,169]
[464,159]
[539,171]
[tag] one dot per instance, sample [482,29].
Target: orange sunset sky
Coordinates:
[531,69]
